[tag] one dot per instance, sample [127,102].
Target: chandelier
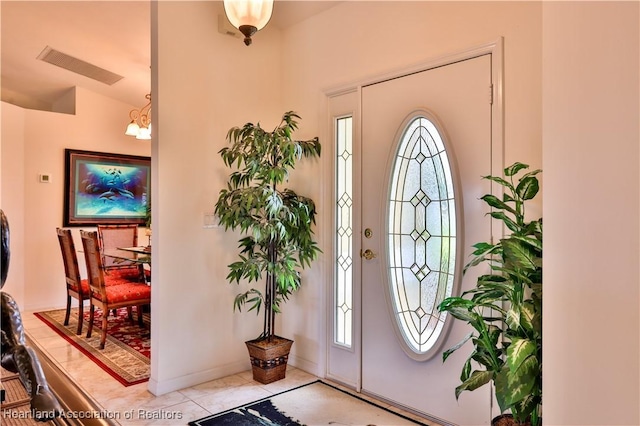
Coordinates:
[249,16]
[140,125]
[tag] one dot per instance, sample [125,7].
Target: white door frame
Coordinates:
[495,48]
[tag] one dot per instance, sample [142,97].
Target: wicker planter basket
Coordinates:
[269,358]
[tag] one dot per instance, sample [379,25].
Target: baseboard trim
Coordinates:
[165,386]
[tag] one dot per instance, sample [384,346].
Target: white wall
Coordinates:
[360,39]
[205,83]
[591,152]
[357,40]
[33,142]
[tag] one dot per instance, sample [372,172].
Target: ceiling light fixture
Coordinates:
[249,16]
[140,125]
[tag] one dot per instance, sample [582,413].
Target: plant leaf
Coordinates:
[497,203]
[513,169]
[519,254]
[476,380]
[507,220]
[528,188]
[518,351]
[521,381]
[457,346]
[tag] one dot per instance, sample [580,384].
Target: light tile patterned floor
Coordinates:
[130,405]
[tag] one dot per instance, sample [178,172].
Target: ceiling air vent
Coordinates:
[78,66]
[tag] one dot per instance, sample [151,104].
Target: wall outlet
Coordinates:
[44,178]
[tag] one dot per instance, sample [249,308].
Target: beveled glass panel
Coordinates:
[422,228]
[343,309]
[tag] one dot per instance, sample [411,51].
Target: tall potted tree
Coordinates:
[276,225]
[505,307]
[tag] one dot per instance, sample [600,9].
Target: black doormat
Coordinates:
[316,403]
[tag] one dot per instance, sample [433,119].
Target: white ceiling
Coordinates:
[114,35]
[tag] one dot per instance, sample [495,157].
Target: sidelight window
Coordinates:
[344,233]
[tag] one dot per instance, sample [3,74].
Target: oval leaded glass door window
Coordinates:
[422,234]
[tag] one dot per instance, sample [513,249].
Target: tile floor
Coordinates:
[135,405]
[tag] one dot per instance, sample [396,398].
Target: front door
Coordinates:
[399,270]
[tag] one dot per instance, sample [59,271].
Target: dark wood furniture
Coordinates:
[118,295]
[111,238]
[76,287]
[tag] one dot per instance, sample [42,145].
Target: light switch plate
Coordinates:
[209,220]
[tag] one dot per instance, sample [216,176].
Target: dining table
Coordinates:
[133,254]
[139,255]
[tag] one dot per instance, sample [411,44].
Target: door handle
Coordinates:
[368,254]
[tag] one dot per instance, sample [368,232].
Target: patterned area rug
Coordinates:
[128,347]
[316,403]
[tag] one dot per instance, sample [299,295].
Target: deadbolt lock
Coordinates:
[368,232]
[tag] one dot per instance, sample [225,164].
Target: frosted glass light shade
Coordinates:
[144,133]
[140,125]
[255,13]
[132,129]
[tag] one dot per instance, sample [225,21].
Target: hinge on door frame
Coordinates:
[491,94]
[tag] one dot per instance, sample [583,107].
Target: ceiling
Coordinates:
[112,35]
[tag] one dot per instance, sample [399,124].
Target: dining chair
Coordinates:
[124,294]
[76,287]
[116,236]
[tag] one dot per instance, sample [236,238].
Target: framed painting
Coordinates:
[103,188]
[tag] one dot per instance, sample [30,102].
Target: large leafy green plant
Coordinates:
[505,306]
[276,223]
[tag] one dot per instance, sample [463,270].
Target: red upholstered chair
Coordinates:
[116,236]
[76,287]
[117,295]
